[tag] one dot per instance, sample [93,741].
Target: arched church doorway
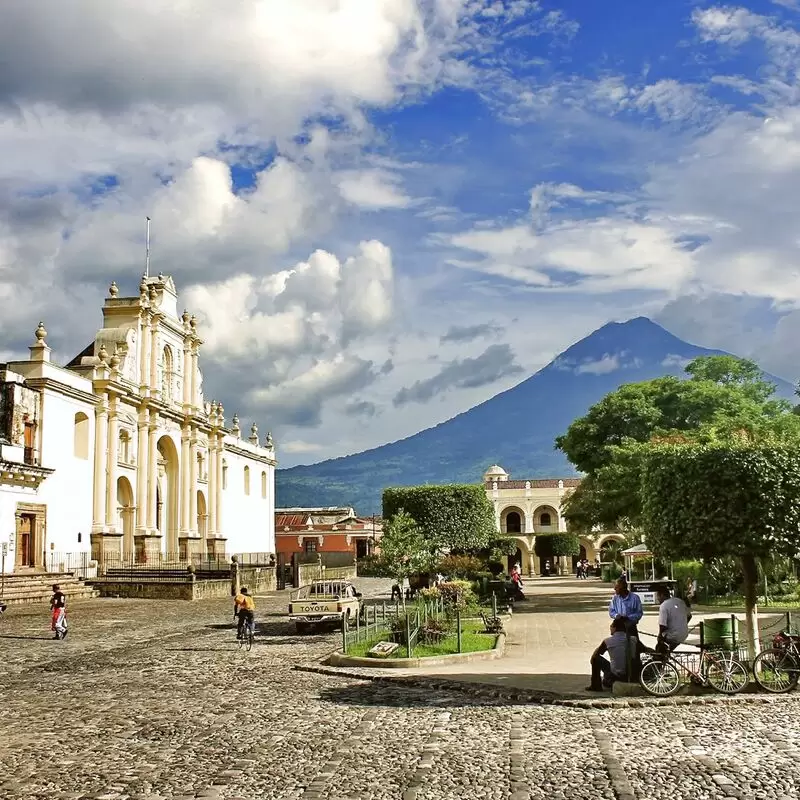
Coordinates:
[167,495]
[125,511]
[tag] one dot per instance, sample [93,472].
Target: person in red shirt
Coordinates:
[58,608]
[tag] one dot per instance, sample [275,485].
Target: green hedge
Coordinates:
[457,517]
[549,545]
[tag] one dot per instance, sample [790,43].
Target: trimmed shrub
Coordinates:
[458,517]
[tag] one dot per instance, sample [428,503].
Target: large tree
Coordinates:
[455,518]
[739,499]
[722,397]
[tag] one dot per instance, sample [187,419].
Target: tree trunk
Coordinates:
[750,572]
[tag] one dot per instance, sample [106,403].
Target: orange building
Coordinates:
[325,530]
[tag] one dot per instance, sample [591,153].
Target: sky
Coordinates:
[384,212]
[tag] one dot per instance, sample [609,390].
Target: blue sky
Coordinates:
[386,211]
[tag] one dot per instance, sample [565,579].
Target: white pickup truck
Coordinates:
[324,603]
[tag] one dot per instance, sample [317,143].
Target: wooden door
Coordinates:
[27,555]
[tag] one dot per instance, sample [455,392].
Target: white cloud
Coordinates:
[602,366]
[373,189]
[299,447]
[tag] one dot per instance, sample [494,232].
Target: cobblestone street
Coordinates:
[151,699]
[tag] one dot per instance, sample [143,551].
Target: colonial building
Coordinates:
[530,507]
[325,530]
[119,455]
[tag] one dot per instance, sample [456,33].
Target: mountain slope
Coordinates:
[515,428]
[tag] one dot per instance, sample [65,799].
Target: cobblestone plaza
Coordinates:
[149,699]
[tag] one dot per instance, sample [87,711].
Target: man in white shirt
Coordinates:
[673,621]
[619,646]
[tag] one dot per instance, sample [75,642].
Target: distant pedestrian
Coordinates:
[58,609]
[691,589]
[547,568]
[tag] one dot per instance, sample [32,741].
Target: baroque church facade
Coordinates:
[117,456]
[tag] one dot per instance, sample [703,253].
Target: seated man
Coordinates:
[614,668]
[244,609]
[673,621]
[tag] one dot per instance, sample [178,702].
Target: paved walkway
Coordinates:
[550,638]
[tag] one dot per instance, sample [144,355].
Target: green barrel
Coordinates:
[721,632]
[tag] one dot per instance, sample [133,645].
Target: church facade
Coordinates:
[119,456]
[525,509]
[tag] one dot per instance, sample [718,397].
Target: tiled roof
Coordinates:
[300,529]
[542,483]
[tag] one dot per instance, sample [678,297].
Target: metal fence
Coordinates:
[406,626]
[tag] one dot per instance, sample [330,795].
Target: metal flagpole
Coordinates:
[147,255]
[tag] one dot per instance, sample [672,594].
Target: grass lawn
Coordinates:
[472,641]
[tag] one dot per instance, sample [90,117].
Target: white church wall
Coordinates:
[248,518]
[68,491]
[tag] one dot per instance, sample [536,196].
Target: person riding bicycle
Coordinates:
[244,610]
[673,621]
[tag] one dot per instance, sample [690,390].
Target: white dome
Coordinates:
[495,472]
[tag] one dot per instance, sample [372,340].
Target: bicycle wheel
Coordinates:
[727,675]
[248,638]
[776,671]
[241,640]
[660,678]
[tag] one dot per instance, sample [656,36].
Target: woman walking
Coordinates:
[58,607]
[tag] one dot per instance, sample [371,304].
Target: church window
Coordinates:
[168,373]
[81,436]
[264,485]
[124,454]
[30,442]
[310,545]
[545,519]
[247,480]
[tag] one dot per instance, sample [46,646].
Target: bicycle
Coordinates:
[662,675]
[248,632]
[777,669]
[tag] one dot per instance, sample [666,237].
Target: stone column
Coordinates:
[188,380]
[194,400]
[152,471]
[211,504]
[528,521]
[218,509]
[142,472]
[111,468]
[193,485]
[185,473]
[144,363]
[100,463]
[155,385]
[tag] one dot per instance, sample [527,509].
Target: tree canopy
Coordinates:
[404,550]
[739,499]
[724,399]
[454,518]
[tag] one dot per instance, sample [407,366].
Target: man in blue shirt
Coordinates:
[626,605]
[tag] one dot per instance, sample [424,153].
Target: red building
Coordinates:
[325,530]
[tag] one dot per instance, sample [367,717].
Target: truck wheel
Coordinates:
[302,627]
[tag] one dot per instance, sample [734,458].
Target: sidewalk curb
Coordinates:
[485,691]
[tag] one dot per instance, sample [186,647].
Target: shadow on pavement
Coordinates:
[28,638]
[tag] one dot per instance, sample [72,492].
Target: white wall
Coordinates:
[68,491]
[248,521]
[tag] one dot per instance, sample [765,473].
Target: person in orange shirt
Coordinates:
[244,610]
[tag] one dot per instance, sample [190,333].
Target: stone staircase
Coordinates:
[22,589]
